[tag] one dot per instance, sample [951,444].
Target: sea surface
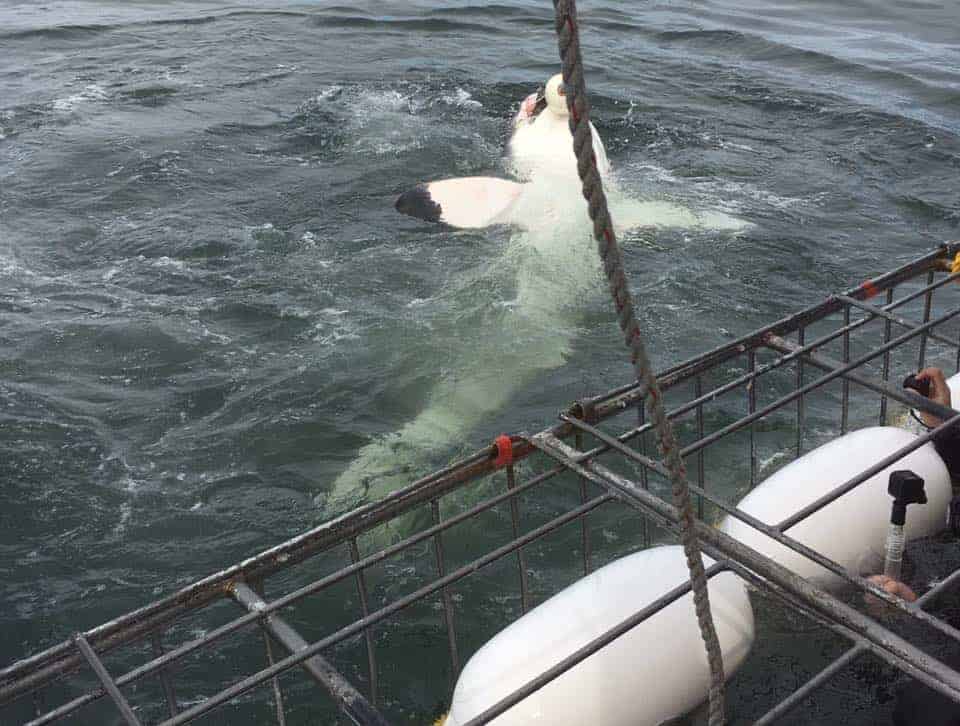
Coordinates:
[209,307]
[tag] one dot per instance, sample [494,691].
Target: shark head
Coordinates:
[550,96]
[555,96]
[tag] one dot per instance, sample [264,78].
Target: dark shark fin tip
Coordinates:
[418,203]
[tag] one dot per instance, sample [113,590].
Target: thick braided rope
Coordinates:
[578,104]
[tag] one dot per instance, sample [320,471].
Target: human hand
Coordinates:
[939,393]
[888,584]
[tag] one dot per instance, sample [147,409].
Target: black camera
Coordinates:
[953,516]
[920,386]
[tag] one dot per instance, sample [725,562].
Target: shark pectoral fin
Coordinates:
[632,214]
[469,202]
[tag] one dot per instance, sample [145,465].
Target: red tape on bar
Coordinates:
[504,451]
[869,289]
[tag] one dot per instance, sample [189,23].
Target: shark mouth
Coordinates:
[531,107]
[540,102]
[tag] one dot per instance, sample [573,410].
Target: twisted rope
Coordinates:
[579,107]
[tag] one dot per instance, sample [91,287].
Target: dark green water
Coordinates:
[208,304]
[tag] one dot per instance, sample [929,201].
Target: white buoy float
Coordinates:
[625,683]
[851,530]
[953,383]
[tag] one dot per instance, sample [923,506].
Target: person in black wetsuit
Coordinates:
[947,443]
[918,704]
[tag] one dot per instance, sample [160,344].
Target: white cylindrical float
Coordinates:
[655,672]
[851,530]
[953,383]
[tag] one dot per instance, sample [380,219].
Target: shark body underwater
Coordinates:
[551,260]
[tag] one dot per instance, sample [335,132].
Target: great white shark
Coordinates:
[553,262]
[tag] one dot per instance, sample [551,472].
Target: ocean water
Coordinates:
[209,308]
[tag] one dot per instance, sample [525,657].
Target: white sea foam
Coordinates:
[125,512]
[370,103]
[169,262]
[461,98]
[218,338]
[382,122]
[91,92]
[765,464]
[12,267]
[327,94]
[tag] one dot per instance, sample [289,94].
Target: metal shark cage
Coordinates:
[331,604]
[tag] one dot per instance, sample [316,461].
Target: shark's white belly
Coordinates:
[546,145]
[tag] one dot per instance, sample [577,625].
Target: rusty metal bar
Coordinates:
[957,366]
[701,473]
[891,318]
[845,394]
[735,383]
[521,557]
[927,304]
[801,418]
[624,397]
[584,529]
[751,408]
[109,686]
[835,373]
[445,591]
[165,683]
[906,397]
[644,480]
[887,330]
[795,353]
[258,588]
[368,633]
[348,699]
[296,659]
[277,693]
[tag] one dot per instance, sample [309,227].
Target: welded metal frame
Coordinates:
[598,486]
